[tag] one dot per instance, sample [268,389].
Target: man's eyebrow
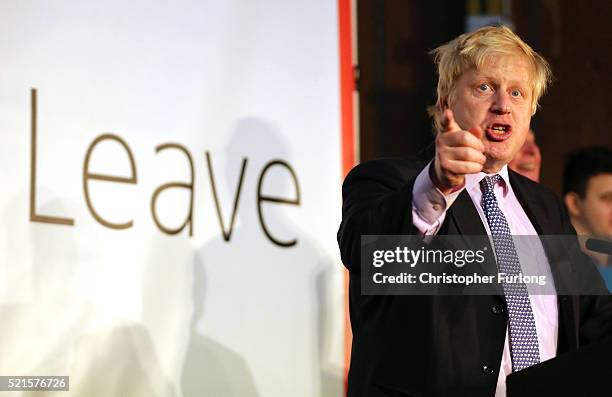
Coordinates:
[481,77]
[512,83]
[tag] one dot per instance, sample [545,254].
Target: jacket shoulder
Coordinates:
[392,172]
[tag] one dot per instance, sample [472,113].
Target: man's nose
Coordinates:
[501,103]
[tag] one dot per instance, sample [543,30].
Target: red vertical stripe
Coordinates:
[347,86]
[348,137]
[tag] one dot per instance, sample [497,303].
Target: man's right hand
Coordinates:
[458,152]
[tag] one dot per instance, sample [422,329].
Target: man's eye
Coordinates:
[516,93]
[483,87]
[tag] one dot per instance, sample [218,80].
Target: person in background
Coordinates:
[528,160]
[587,193]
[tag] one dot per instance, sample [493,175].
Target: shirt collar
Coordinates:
[472,181]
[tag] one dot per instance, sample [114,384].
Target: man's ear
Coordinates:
[573,203]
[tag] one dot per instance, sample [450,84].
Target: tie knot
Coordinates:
[488,182]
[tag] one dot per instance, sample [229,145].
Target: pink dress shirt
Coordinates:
[429,207]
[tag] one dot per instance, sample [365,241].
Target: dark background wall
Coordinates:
[397,77]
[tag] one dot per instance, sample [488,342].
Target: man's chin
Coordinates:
[495,162]
[492,166]
[499,154]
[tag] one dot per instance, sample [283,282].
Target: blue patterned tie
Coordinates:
[523,337]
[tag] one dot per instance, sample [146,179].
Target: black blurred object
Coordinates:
[586,372]
[397,75]
[601,246]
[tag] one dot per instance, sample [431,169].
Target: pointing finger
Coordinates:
[448,121]
[478,133]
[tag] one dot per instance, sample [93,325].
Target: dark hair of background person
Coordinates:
[582,164]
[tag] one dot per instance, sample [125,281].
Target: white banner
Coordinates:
[170,193]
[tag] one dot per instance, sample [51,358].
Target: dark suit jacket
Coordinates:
[440,345]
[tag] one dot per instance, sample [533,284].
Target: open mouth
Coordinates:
[498,132]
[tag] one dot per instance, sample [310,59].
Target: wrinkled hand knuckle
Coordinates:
[442,152]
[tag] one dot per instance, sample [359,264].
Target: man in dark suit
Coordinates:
[489,85]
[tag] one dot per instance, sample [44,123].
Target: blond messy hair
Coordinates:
[471,50]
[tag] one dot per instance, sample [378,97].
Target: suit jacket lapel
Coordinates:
[467,221]
[465,217]
[531,207]
[568,335]
[464,220]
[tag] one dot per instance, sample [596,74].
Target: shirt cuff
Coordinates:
[429,205]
